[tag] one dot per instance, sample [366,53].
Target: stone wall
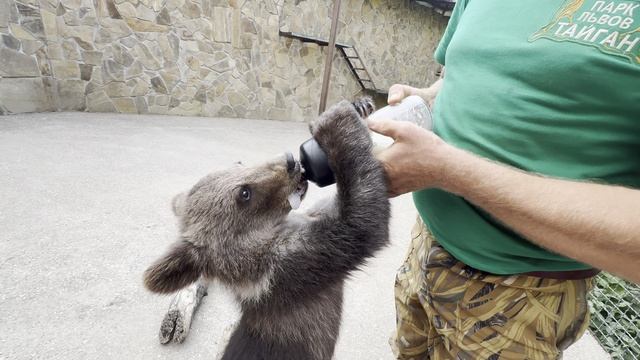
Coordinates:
[200,57]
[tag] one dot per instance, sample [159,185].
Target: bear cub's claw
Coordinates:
[364,106]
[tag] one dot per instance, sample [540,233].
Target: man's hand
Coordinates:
[416,160]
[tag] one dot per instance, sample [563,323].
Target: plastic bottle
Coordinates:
[314,160]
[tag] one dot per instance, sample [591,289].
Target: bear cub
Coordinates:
[286,268]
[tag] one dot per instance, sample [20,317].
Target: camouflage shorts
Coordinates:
[447,310]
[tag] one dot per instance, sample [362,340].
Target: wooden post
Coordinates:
[330,50]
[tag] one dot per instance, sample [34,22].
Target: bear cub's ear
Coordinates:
[178,204]
[179,267]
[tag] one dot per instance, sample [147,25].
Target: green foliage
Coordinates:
[615,316]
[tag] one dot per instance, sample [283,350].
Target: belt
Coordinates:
[565,275]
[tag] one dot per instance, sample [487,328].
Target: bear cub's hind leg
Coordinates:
[177,321]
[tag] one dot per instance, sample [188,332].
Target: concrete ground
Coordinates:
[85,207]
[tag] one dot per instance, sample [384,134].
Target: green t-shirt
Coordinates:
[547,86]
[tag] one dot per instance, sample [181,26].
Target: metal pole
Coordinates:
[327,64]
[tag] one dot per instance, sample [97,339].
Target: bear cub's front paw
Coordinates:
[342,119]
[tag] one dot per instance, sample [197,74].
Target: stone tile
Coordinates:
[191,9]
[71,18]
[129,42]
[92,86]
[146,12]
[170,76]
[236,98]
[138,87]
[144,25]
[20,33]
[201,94]
[122,56]
[5,13]
[50,26]
[193,63]
[141,105]
[96,75]
[134,70]
[248,26]
[174,4]
[112,29]
[71,95]
[92,57]
[164,18]
[98,101]
[222,66]
[221,24]
[25,10]
[71,50]
[191,108]
[84,33]
[29,47]
[65,69]
[278,114]
[162,100]
[117,89]
[112,71]
[71,4]
[16,64]
[157,109]
[126,9]
[169,45]
[158,85]
[85,71]
[11,42]
[20,95]
[235,28]
[146,58]
[226,111]
[221,3]
[43,63]
[60,10]
[125,105]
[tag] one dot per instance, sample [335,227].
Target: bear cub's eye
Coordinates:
[245,193]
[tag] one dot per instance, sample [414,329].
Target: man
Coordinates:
[536,153]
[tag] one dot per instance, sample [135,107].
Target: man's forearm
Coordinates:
[577,219]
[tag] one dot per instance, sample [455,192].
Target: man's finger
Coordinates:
[395,97]
[385,127]
[397,130]
[397,92]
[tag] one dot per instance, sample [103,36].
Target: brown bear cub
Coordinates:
[287,269]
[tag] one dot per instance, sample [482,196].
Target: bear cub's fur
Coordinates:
[286,268]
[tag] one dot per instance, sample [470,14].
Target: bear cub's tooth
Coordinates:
[294,200]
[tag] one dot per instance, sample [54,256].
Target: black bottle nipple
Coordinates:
[314,160]
[315,163]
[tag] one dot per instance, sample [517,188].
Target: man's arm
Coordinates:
[592,223]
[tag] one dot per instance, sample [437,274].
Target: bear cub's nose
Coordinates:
[291,162]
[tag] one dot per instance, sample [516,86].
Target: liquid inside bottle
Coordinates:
[412,108]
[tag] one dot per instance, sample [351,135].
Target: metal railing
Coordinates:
[615,316]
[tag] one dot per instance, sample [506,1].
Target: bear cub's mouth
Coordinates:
[295,198]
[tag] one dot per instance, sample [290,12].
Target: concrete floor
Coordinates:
[85,207]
